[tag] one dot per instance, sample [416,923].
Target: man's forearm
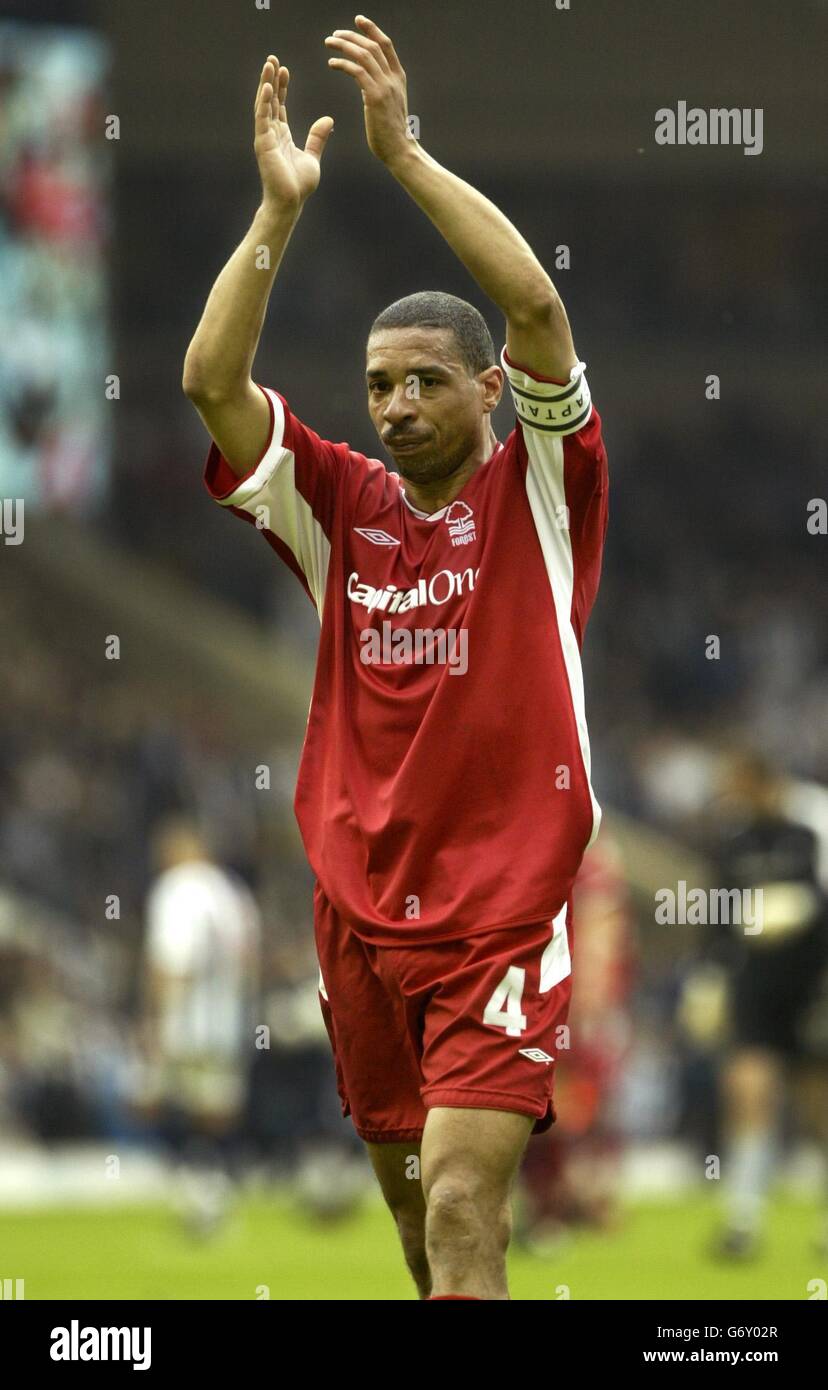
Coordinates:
[492,250]
[221,353]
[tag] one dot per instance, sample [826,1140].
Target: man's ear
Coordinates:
[492,381]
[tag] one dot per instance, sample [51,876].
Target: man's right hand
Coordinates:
[289,175]
[218,365]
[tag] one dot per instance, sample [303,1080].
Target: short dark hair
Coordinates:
[434,309]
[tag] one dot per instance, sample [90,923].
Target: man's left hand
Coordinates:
[369,56]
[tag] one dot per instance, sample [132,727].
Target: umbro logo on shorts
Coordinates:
[535,1054]
[377,536]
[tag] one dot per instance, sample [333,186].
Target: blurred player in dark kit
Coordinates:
[777,974]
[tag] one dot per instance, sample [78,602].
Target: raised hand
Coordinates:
[289,174]
[370,57]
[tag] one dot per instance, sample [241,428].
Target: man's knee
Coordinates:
[465,1213]
[451,1206]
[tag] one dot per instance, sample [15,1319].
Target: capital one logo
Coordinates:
[460,522]
[444,585]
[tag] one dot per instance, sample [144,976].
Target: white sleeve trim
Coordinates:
[261,475]
[547,406]
[270,496]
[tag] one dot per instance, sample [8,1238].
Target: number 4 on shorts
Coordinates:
[503,1009]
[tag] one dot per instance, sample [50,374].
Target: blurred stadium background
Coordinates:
[684,262]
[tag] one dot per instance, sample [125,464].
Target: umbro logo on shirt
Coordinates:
[375,535]
[535,1054]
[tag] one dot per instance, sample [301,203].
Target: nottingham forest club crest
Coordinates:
[460,522]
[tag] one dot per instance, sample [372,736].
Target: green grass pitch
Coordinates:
[142,1253]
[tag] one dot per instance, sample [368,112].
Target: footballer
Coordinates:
[444,794]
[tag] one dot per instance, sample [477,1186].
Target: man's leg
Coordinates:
[811,1093]
[377,1073]
[397,1167]
[752,1093]
[471,1066]
[469,1161]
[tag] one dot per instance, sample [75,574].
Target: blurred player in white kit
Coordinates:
[202,951]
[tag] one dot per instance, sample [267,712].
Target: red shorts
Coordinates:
[474,1023]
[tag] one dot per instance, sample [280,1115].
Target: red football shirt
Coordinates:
[444,783]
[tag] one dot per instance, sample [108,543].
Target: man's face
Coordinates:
[428,411]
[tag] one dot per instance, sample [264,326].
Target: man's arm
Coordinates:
[217,369]
[538,335]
